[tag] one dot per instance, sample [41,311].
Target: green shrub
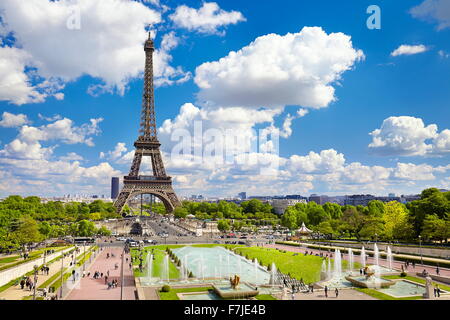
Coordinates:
[165,288]
[403,274]
[191,275]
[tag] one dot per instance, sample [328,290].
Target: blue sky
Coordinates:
[70,96]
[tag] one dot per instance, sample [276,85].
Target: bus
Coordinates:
[81,240]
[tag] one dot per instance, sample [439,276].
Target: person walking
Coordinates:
[106,279]
[437,270]
[336,291]
[326,292]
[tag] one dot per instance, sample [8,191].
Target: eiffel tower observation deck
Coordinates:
[147,145]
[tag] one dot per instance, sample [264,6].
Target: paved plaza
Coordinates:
[89,288]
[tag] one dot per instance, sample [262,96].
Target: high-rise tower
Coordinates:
[147,145]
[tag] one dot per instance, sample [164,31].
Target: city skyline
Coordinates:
[356,110]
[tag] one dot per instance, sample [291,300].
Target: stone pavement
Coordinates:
[16,293]
[89,288]
[370,260]
[344,294]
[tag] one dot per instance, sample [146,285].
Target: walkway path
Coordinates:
[96,289]
[16,293]
[370,260]
[345,294]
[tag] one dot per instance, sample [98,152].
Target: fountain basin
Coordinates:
[371,282]
[241,292]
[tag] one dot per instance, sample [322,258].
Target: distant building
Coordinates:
[280,205]
[391,195]
[364,199]
[295,197]
[114,187]
[318,199]
[409,198]
[242,195]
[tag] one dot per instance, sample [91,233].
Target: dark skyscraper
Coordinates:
[114,187]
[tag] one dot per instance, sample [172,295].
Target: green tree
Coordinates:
[223,225]
[397,224]
[27,231]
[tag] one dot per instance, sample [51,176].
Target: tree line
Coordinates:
[26,220]
[428,217]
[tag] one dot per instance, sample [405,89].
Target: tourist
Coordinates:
[106,279]
[435,291]
[107,273]
[360,272]
[22,284]
[101,275]
[336,291]
[414,264]
[437,270]
[326,292]
[438,292]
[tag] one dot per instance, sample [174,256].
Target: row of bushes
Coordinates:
[177,260]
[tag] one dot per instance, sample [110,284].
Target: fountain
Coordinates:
[350,260]
[389,258]
[376,254]
[329,273]
[337,264]
[256,270]
[273,273]
[149,267]
[165,270]
[323,271]
[363,257]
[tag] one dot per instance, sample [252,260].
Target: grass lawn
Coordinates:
[265,297]
[172,294]
[298,266]
[9,259]
[158,263]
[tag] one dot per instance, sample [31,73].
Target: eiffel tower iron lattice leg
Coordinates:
[147,145]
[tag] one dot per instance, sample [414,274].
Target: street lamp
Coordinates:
[62,269]
[84,254]
[121,272]
[420,249]
[36,268]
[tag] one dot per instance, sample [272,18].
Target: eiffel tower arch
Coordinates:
[147,145]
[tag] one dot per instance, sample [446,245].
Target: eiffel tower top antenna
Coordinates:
[147,131]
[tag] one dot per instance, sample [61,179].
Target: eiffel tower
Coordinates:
[147,144]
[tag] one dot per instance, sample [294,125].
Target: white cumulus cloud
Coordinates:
[207,19]
[106,45]
[405,49]
[408,136]
[433,10]
[10,120]
[294,69]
